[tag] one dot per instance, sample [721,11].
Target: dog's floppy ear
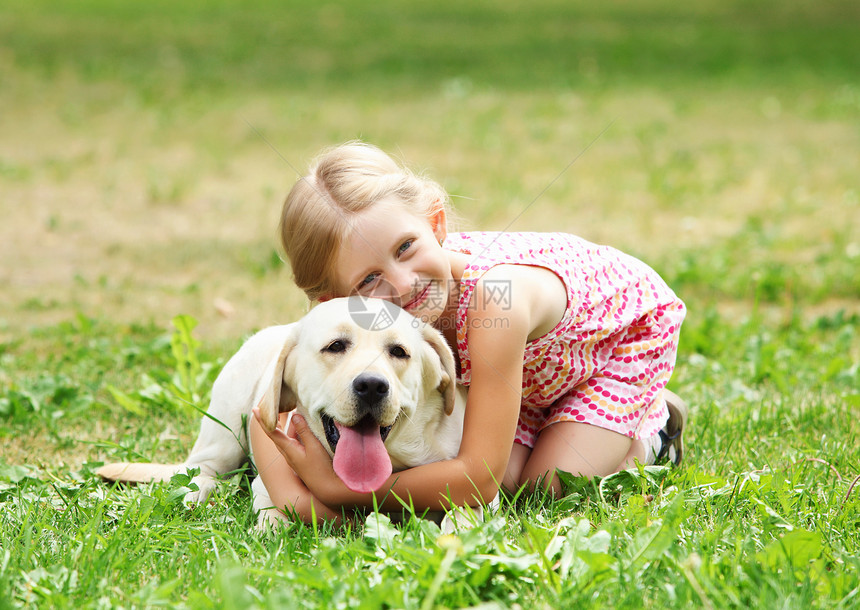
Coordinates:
[277,394]
[448,383]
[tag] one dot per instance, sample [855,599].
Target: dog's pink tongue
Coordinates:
[360,459]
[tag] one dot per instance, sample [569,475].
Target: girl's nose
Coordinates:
[393,287]
[402,285]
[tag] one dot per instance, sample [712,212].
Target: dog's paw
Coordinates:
[205,486]
[461,518]
[271,519]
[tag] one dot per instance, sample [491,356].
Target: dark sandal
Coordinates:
[672,436]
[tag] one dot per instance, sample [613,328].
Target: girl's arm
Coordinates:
[285,488]
[497,338]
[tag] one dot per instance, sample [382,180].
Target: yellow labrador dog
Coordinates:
[376,386]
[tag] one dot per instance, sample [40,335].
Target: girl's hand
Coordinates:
[308,459]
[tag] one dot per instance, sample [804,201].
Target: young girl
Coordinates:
[566,346]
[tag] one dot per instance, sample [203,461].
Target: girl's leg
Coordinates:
[668,443]
[639,451]
[574,447]
[516,464]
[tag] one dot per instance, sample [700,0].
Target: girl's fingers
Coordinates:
[289,446]
[312,445]
[299,428]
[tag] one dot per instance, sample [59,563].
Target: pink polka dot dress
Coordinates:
[609,358]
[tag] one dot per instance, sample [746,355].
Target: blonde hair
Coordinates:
[342,182]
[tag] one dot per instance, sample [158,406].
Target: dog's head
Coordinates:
[357,368]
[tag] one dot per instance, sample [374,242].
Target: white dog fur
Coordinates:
[313,366]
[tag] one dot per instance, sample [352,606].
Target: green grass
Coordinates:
[144,150]
[761,514]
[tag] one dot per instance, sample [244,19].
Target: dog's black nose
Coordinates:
[370,389]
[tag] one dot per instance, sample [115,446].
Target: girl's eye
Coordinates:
[367,281]
[405,246]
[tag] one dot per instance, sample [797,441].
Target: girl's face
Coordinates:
[394,254]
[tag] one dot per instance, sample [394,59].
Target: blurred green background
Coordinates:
[146,147]
[160,50]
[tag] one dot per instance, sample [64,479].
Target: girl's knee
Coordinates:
[511,482]
[541,475]
[578,448]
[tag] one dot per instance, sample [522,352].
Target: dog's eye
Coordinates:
[397,351]
[335,347]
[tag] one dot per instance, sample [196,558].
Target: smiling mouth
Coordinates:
[419,299]
[332,434]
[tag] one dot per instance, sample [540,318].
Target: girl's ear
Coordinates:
[439,224]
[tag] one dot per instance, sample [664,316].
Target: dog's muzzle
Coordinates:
[332,434]
[359,458]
